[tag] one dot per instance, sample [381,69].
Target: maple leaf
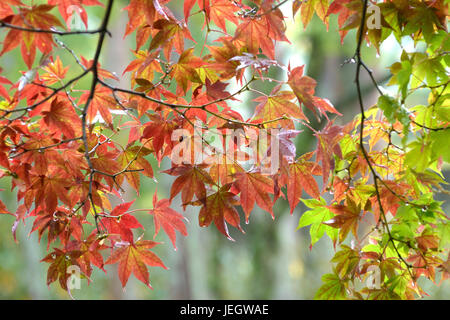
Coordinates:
[424,264]
[55,72]
[134,257]
[61,116]
[223,169]
[304,87]
[274,19]
[254,187]
[187,7]
[216,90]
[348,10]
[3,91]
[221,11]
[167,218]
[48,189]
[346,218]
[120,222]
[191,181]
[105,162]
[52,221]
[257,63]
[6,7]
[309,7]
[223,64]
[347,259]
[79,193]
[170,34]
[67,8]
[74,161]
[184,70]
[328,146]
[445,268]
[253,33]
[132,159]
[57,173]
[40,159]
[389,197]
[219,207]
[301,178]
[60,261]
[90,253]
[427,241]
[102,102]
[286,147]
[315,217]
[141,12]
[160,131]
[278,105]
[332,289]
[145,65]
[34,17]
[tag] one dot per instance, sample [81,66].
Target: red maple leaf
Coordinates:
[347,217]
[253,33]
[34,17]
[191,181]
[184,71]
[60,261]
[219,207]
[6,7]
[221,11]
[328,146]
[254,187]
[55,72]
[60,116]
[132,159]
[102,102]
[278,105]
[301,178]
[119,222]
[167,218]
[304,87]
[134,257]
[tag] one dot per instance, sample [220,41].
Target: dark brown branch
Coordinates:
[183,106]
[359,64]
[45,148]
[4,24]
[55,92]
[102,32]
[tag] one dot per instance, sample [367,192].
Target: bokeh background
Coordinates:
[272,260]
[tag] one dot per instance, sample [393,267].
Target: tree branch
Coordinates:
[4,24]
[359,64]
[95,79]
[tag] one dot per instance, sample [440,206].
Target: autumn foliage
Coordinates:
[62,151]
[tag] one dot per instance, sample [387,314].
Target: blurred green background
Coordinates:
[271,260]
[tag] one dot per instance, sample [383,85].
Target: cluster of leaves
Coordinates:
[61,144]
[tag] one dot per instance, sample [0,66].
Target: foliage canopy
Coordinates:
[60,144]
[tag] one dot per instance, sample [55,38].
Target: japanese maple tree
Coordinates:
[61,146]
